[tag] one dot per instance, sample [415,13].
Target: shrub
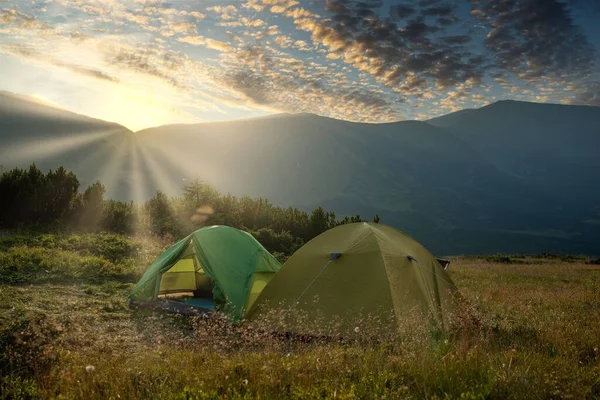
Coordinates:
[37,265]
[277,242]
[119,217]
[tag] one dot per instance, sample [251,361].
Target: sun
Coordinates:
[138,109]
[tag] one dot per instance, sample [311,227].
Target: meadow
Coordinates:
[66,331]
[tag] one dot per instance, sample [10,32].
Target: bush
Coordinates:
[40,265]
[162,216]
[277,242]
[499,258]
[119,217]
[112,247]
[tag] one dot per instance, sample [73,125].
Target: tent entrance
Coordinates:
[187,283]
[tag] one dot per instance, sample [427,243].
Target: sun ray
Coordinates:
[112,170]
[185,165]
[38,150]
[162,181]
[138,178]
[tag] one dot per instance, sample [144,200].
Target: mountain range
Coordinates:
[511,177]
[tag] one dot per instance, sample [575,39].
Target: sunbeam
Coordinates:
[113,169]
[138,188]
[31,151]
[157,174]
[185,164]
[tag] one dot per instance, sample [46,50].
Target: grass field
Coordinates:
[66,332]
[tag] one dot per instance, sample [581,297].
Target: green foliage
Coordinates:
[111,247]
[29,196]
[350,220]
[119,217]
[320,221]
[36,265]
[161,213]
[92,206]
[197,194]
[15,387]
[277,242]
[47,201]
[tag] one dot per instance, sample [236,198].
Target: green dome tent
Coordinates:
[353,270]
[214,266]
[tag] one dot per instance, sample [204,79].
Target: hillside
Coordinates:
[425,179]
[549,146]
[35,132]
[509,177]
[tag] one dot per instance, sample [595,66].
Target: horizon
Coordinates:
[44,102]
[149,63]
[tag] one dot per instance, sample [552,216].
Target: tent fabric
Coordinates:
[230,258]
[356,269]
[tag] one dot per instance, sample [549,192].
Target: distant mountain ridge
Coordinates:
[34,132]
[509,177]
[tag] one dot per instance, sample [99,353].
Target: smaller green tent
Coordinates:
[353,271]
[214,266]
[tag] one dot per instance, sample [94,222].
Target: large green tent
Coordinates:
[355,270]
[214,266]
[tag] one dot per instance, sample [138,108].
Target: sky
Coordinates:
[145,63]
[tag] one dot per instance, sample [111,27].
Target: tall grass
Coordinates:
[528,330]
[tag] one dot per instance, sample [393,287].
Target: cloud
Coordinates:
[252,86]
[423,46]
[401,11]
[197,15]
[408,54]
[227,12]
[206,42]
[361,60]
[22,20]
[144,61]
[179,27]
[254,5]
[590,95]
[284,41]
[535,39]
[26,52]
[273,30]
[93,73]
[270,79]
[281,92]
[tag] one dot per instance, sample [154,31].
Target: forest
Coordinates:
[54,201]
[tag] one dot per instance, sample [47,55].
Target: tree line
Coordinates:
[29,198]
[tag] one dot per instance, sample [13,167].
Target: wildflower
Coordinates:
[90,369]
[245,381]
